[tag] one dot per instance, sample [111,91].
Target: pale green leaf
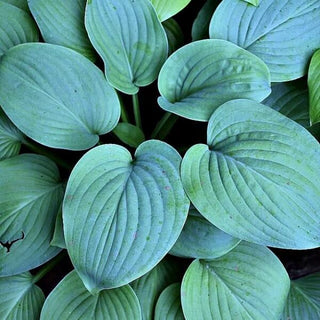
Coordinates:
[248,283]
[254,2]
[174,34]
[202,75]
[20,298]
[30,196]
[62,22]
[10,137]
[122,215]
[167,8]
[304,299]
[130,39]
[129,134]
[21,4]
[70,300]
[56,96]
[201,239]
[149,287]
[257,179]
[284,34]
[16,26]
[314,87]
[169,305]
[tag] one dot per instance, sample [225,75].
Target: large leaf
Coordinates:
[20,299]
[122,215]
[56,96]
[169,305]
[149,287]
[291,99]
[202,75]
[248,283]
[201,239]
[62,22]
[257,178]
[16,26]
[30,196]
[167,8]
[304,299]
[10,137]
[129,38]
[71,301]
[284,34]
[314,88]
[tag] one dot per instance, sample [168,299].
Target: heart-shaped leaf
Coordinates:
[201,239]
[62,22]
[169,305]
[304,299]
[10,137]
[16,26]
[284,34]
[314,87]
[71,301]
[54,94]
[121,216]
[167,8]
[130,39]
[31,193]
[202,75]
[257,179]
[20,299]
[247,283]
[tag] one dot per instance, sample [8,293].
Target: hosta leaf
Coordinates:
[254,2]
[174,34]
[247,283]
[314,87]
[56,96]
[304,299]
[169,306]
[30,196]
[257,178]
[70,300]
[284,34]
[291,99]
[62,22]
[129,134]
[16,26]
[10,138]
[149,287]
[167,8]
[21,4]
[201,239]
[202,75]
[129,38]
[20,299]
[58,236]
[122,215]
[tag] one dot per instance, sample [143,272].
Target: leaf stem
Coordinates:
[136,110]
[164,126]
[124,115]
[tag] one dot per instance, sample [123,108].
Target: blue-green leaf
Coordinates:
[257,177]
[21,4]
[130,39]
[314,88]
[202,75]
[167,8]
[284,34]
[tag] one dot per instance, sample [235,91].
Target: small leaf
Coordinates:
[149,287]
[121,216]
[314,88]
[284,34]
[53,94]
[129,134]
[62,22]
[247,283]
[10,138]
[20,299]
[16,26]
[134,51]
[30,196]
[58,236]
[254,2]
[201,239]
[169,305]
[71,301]
[202,75]
[174,34]
[257,179]
[304,299]
[167,8]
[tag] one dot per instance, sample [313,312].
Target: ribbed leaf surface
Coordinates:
[314,88]
[167,8]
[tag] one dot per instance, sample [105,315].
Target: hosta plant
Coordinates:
[167,165]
